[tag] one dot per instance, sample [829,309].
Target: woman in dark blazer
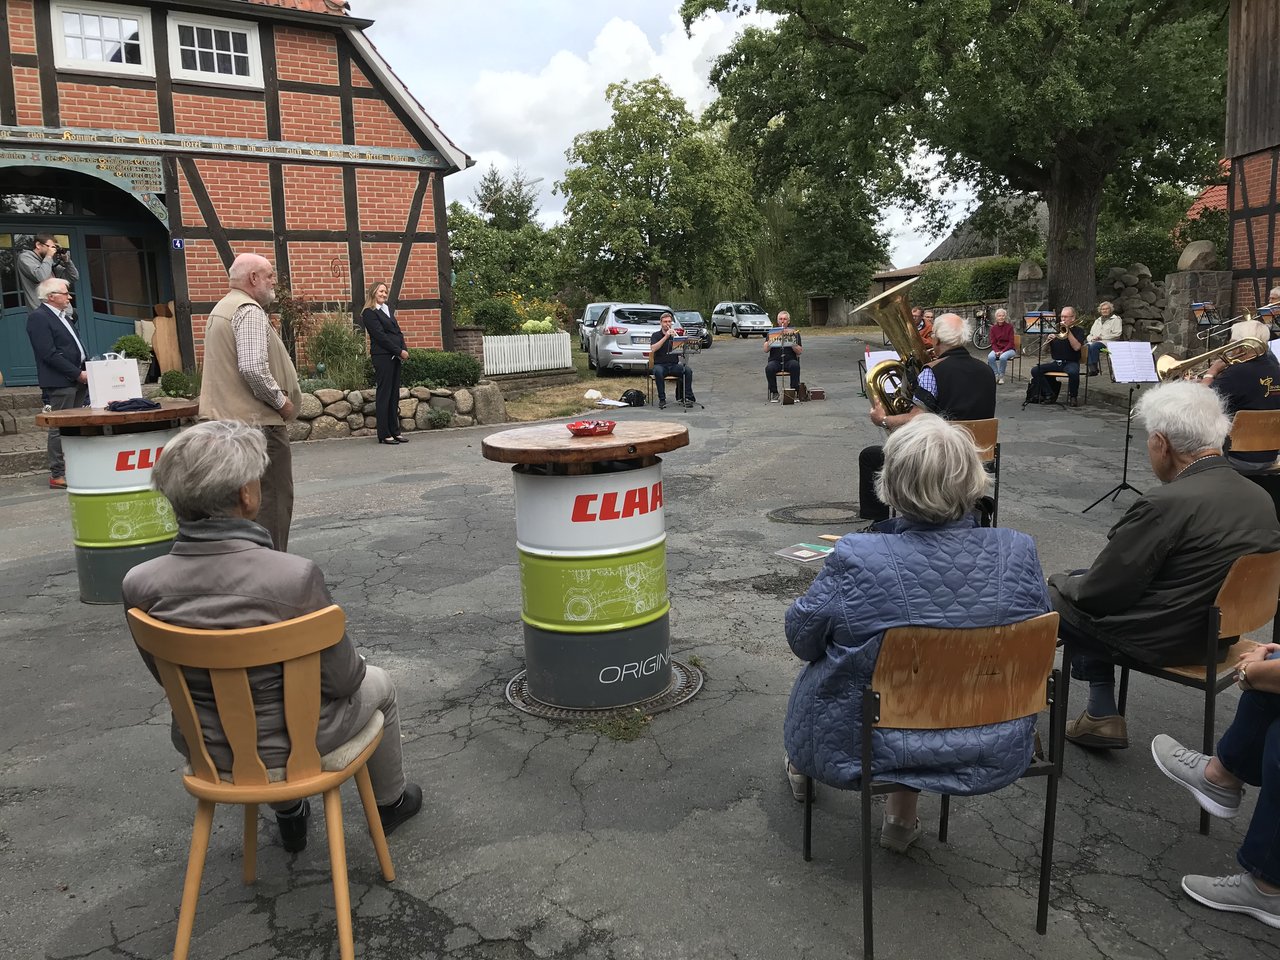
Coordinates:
[387,350]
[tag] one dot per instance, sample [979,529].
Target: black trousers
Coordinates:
[386,372]
[774,367]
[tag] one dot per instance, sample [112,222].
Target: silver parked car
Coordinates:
[694,326]
[622,335]
[591,314]
[740,318]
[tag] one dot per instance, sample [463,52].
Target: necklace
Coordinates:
[1207,456]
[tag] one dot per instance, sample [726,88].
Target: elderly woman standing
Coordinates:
[932,567]
[387,351]
[1002,344]
[223,573]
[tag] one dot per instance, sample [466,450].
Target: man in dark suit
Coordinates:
[60,357]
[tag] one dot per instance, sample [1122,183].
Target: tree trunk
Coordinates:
[655,287]
[1074,199]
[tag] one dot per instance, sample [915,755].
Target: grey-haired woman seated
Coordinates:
[931,566]
[222,574]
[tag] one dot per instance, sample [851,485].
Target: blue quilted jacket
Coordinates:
[954,575]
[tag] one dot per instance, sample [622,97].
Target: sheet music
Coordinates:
[1274,346]
[1132,361]
[877,356]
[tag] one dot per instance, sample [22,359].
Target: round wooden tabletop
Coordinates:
[170,409]
[553,443]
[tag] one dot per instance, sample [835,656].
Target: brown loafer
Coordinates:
[1098,733]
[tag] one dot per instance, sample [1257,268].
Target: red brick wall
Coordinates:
[191,215]
[385,198]
[313,198]
[421,328]
[422,279]
[26,87]
[377,126]
[311,118]
[240,191]
[379,262]
[312,264]
[22,27]
[219,116]
[1252,199]
[358,79]
[85,105]
[306,55]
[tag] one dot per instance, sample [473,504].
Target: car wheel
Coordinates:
[734,330]
[591,361]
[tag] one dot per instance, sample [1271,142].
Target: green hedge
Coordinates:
[340,347]
[945,282]
[438,368]
[497,316]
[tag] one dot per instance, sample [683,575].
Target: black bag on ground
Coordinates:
[632,398]
[1043,391]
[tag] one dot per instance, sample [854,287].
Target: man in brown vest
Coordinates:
[249,377]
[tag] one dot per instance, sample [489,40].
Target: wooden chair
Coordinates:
[1084,374]
[1017,355]
[679,382]
[1253,431]
[928,678]
[1247,600]
[228,655]
[985,435]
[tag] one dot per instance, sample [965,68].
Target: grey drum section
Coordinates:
[594,671]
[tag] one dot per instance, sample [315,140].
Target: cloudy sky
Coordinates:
[512,81]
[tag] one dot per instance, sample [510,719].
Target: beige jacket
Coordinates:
[224,395]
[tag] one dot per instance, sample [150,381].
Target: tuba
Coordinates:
[1238,351]
[891,383]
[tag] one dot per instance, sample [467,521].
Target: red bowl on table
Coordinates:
[591,428]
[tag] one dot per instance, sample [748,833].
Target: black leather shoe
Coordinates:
[662,404]
[400,438]
[407,806]
[293,827]
[390,440]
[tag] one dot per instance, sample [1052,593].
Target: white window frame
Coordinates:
[63,61]
[176,70]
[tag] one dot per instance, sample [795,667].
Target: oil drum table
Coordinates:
[117,520]
[591,538]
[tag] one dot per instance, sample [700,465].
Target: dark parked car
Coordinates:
[694,326]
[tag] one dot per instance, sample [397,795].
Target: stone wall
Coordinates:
[469,340]
[1184,289]
[1139,299]
[326,414]
[1027,296]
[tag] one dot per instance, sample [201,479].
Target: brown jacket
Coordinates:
[224,395]
[219,584]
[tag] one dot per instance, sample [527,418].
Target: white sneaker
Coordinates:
[1000,380]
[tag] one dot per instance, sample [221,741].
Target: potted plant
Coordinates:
[136,348]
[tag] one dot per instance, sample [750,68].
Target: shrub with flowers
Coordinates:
[509,312]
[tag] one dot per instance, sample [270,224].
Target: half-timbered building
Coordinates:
[157,139]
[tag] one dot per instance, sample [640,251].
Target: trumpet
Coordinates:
[1237,351]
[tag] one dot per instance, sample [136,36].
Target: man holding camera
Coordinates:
[43,261]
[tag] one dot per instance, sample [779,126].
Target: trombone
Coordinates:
[1238,351]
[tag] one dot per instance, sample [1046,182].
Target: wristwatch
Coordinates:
[1243,677]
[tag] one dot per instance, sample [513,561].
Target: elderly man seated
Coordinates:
[1147,596]
[223,573]
[908,573]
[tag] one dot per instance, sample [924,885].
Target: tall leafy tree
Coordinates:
[488,260]
[1047,97]
[654,199]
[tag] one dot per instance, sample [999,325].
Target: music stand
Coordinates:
[1131,363]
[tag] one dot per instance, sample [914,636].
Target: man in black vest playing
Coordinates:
[956,386]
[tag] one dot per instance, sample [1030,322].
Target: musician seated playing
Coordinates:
[907,574]
[1064,349]
[784,347]
[956,386]
[668,363]
[1146,597]
[1248,385]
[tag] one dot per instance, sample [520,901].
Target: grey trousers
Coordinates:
[62,398]
[276,512]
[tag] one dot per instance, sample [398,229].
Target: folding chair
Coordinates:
[1247,600]
[927,678]
[1084,375]
[985,435]
[228,655]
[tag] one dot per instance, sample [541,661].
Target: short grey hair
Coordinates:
[1002,312]
[931,470]
[203,468]
[1250,328]
[1275,293]
[1189,415]
[952,329]
[51,285]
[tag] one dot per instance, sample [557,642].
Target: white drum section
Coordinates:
[113,464]
[592,515]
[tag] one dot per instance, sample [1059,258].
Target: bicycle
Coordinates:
[982,329]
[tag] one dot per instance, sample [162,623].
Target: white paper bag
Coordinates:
[113,378]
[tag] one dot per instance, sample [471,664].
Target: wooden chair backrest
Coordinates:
[932,678]
[1017,342]
[1255,430]
[1247,599]
[985,434]
[227,655]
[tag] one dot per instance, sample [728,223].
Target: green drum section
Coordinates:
[121,519]
[595,594]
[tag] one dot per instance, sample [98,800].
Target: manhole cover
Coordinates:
[817,514]
[686,681]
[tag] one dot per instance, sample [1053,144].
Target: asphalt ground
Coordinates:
[552,839]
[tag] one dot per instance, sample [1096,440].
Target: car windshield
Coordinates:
[747,308]
[688,316]
[637,315]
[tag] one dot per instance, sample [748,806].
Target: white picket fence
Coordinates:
[527,352]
